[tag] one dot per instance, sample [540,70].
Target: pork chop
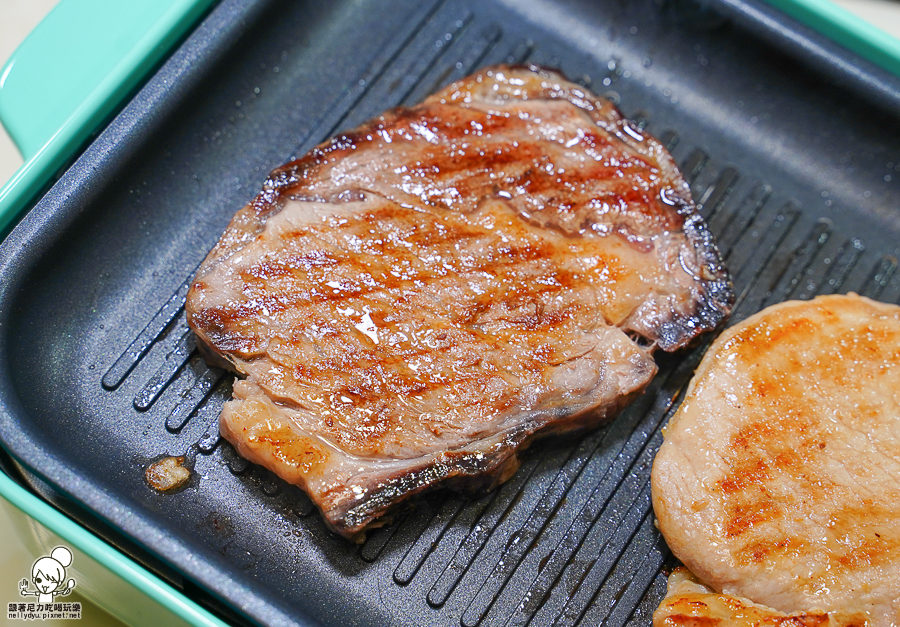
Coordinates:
[412,302]
[689,603]
[779,477]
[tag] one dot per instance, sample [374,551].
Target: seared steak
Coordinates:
[689,603]
[412,302]
[779,477]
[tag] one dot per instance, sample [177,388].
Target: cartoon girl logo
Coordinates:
[49,576]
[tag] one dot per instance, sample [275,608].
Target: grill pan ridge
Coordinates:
[795,170]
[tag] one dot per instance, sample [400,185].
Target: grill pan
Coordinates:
[792,149]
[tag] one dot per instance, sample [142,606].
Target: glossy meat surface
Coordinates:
[779,477]
[689,603]
[413,301]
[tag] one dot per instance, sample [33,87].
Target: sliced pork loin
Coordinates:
[779,477]
[412,302]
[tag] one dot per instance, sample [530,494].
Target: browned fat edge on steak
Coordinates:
[446,283]
[465,471]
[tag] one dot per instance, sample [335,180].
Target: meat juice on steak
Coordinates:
[411,303]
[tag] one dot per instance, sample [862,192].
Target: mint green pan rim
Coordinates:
[50,129]
[118,563]
[58,88]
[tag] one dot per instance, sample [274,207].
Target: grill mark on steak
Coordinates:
[411,303]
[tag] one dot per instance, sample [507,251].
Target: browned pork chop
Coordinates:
[689,603]
[410,303]
[779,477]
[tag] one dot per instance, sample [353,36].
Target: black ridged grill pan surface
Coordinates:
[793,161]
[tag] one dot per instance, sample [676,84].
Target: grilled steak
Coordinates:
[689,603]
[412,302]
[779,477]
